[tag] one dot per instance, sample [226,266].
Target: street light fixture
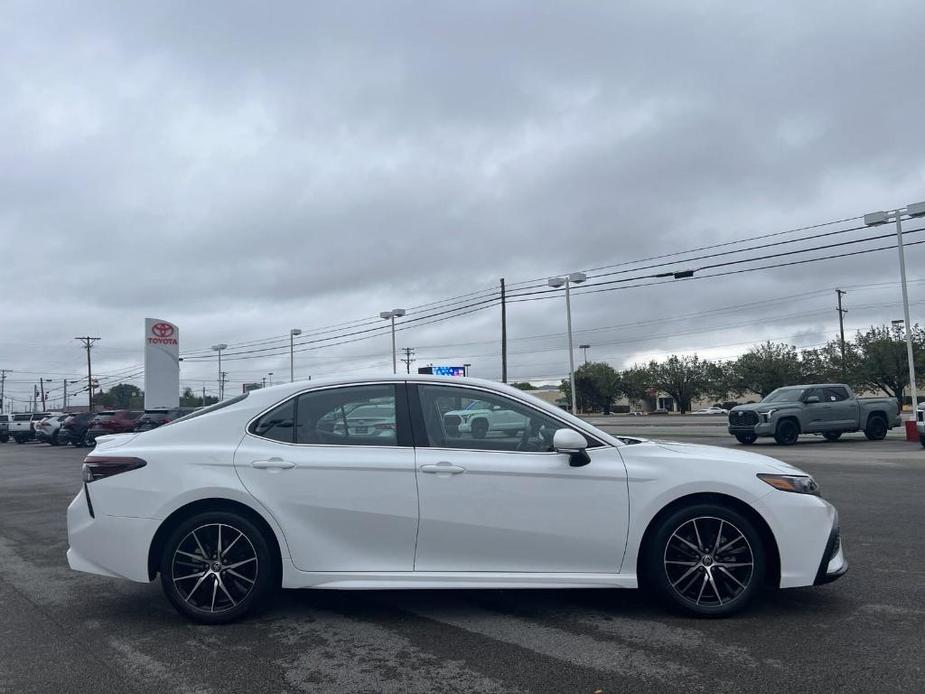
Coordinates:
[221,381]
[392,315]
[882,217]
[585,348]
[567,281]
[292,335]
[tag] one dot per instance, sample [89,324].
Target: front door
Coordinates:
[507,502]
[335,467]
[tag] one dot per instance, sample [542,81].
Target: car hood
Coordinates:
[764,406]
[729,455]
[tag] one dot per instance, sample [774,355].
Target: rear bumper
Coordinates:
[108,545]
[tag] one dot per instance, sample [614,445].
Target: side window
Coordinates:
[835,394]
[350,416]
[277,423]
[472,419]
[809,392]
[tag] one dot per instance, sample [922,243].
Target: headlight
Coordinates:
[800,484]
[766,415]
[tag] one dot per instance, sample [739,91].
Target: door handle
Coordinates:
[272,464]
[443,467]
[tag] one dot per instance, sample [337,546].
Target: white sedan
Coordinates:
[260,491]
[712,410]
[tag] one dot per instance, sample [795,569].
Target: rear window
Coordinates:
[212,408]
[104,416]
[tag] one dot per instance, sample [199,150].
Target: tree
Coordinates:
[524,385]
[598,384]
[636,383]
[122,396]
[190,399]
[684,378]
[879,359]
[764,368]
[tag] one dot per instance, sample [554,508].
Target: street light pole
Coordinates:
[567,281]
[585,349]
[292,334]
[392,315]
[881,217]
[221,380]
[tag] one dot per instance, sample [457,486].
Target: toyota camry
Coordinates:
[286,487]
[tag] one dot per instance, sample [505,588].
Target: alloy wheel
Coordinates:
[708,561]
[214,568]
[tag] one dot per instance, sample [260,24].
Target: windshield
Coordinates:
[785,395]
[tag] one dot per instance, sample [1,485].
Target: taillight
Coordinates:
[100,467]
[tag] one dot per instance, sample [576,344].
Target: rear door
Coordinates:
[843,410]
[344,494]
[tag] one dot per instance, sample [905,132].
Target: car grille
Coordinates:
[743,418]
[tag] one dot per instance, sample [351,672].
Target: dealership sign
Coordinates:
[443,370]
[162,364]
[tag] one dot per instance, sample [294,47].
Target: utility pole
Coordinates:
[409,358]
[88,345]
[222,381]
[841,328]
[42,387]
[203,394]
[3,373]
[503,333]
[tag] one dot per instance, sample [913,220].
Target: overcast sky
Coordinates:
[242,169]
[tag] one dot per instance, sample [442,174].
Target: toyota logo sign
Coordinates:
[162,330]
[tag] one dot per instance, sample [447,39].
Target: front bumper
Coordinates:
[834,564]
[759,429]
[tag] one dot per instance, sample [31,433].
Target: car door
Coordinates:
[508,502]
[843,411]
[346,501]
[816,415]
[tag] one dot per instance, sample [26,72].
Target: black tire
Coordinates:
[54,440]
[208,597]
[876,428]
[788,432]
[746,439]
[831,435]
[4,439]
[480,428]
[922,440]
[680,576]
[18,439]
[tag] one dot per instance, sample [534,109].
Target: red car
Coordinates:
[112,422]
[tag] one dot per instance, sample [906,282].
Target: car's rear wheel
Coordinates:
[706,560]
[921,440]
[787,433]
[4,439]
[831,435]
[746,439]
[876,428]
[216,567]
[480,428]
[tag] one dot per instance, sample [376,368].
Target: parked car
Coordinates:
[253,493]
[74,429]
[659,410]
[830,409]
[112,422]
[22,425]
[5,427]
[152,419]
[480,418]
[711,410]
[46,431]
[920,423]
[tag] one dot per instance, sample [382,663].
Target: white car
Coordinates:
[712,410]
[258,492]
[480,418]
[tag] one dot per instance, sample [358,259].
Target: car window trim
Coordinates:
[419,427]
[403,435]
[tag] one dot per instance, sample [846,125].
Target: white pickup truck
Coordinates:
[479,418]
[22,425]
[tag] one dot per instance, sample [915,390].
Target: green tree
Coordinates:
[122,396]
[598,384]
[636,384]
[524,385]
[764,368]
[684,378]
[879,359]
[189,399]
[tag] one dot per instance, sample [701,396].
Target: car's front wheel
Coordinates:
[787,433]
[216,567]
[706,560]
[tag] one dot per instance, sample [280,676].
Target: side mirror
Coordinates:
[811,399]
[574,444]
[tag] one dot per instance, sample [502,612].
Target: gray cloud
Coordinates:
[242,171]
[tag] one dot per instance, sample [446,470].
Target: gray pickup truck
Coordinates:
[830,409]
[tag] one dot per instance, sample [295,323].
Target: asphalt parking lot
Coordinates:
[70,632]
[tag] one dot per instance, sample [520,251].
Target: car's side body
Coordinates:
[387,516]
